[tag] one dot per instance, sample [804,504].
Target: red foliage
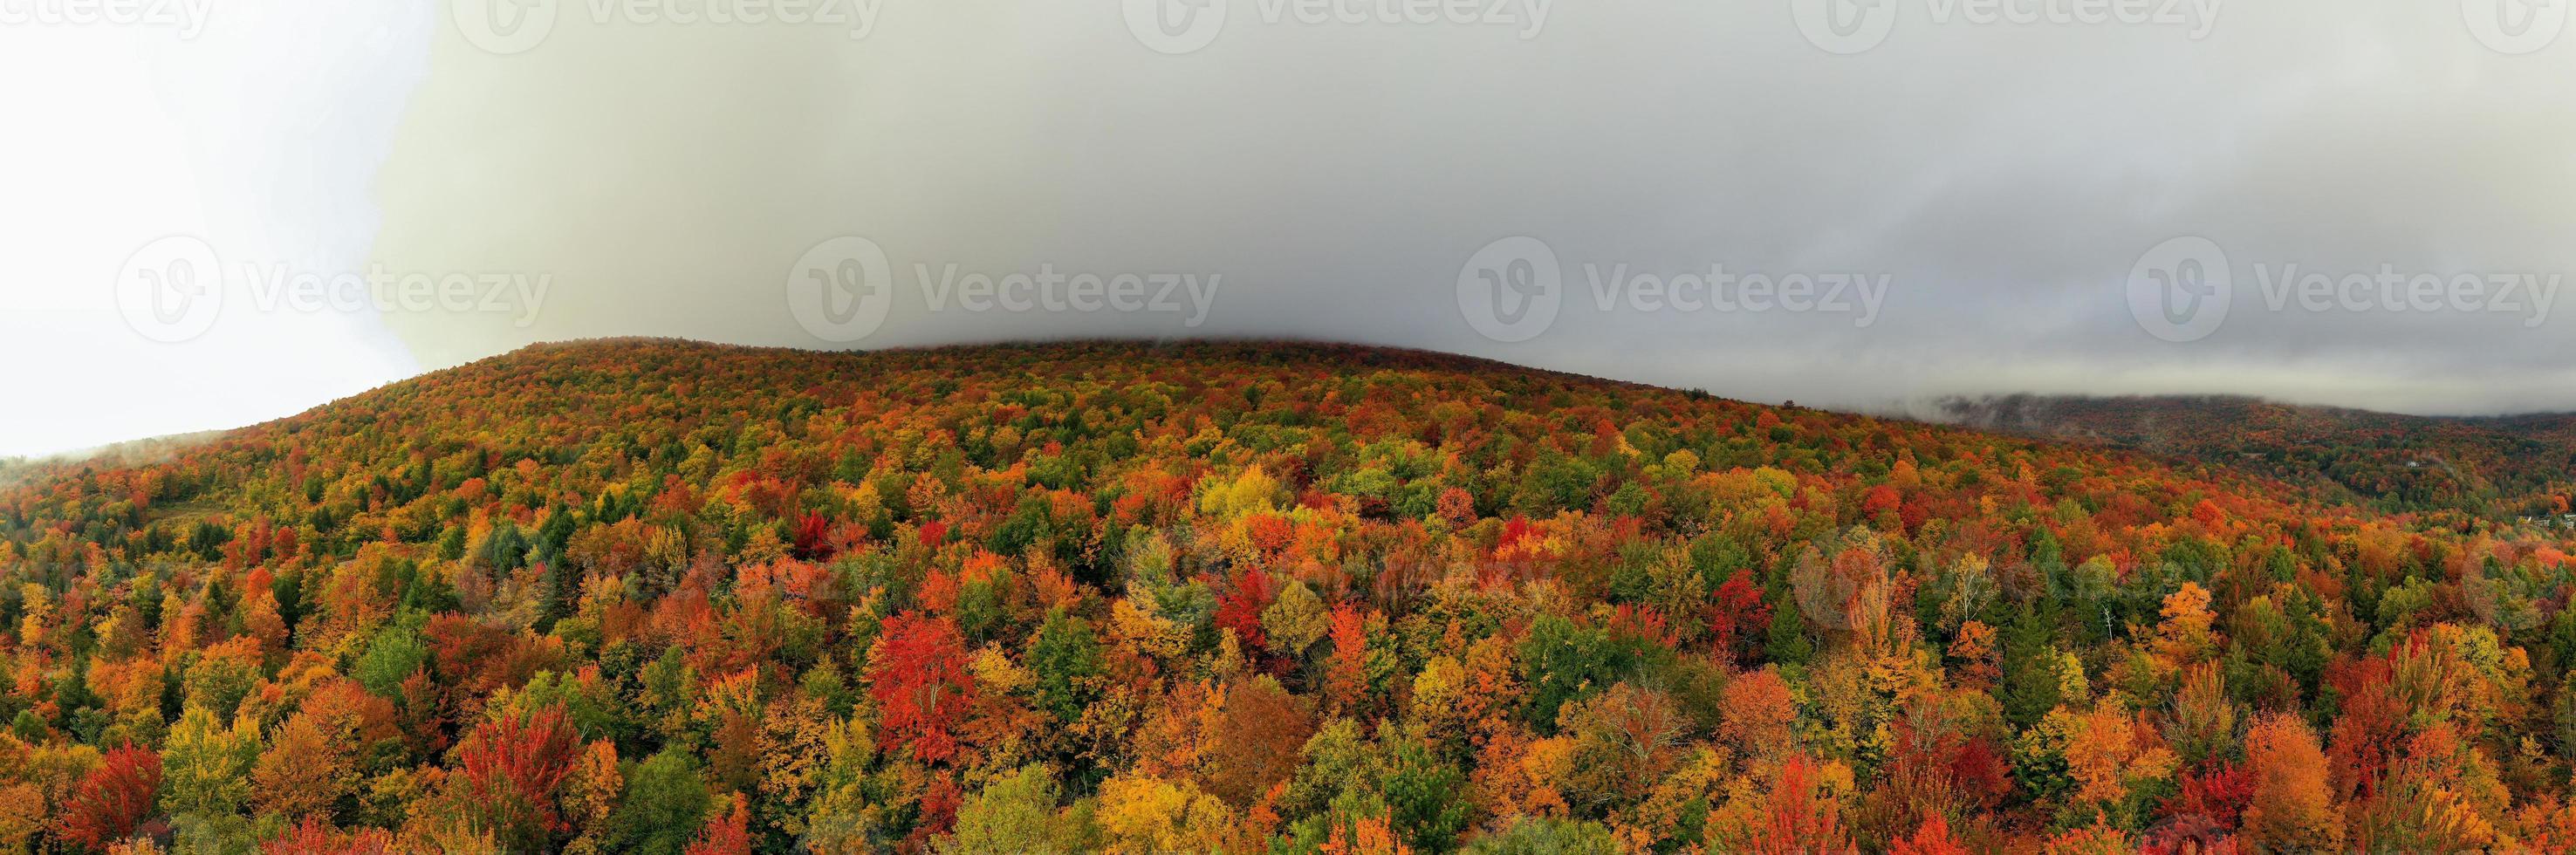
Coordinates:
[1737,615]
[2216,792]
[112,800]
[315,836]
[1931,839]
[511,766]
[1269,533]
[1346,677]
[2362,743]
[812,538]
[1878,500]
[729,834]
[1647,624]
[1240,609]
[1797,820]
[1979,770]
[918,677]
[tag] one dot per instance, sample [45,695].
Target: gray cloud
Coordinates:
[2005,178]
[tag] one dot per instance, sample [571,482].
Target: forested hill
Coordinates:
[663,596]
[2503,467]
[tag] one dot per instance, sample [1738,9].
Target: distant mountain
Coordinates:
[2494,466]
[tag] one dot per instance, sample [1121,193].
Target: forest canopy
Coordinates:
[668,597]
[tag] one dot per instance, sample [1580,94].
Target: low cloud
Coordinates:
[2004,179]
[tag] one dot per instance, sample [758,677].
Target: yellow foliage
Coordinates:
[1135,621]
[1253,492]
[1146,815]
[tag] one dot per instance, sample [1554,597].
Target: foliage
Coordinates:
[665,597]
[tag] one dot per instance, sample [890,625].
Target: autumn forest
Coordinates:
[669,597]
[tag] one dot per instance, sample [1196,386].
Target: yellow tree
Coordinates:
[1142,814]
[2291,809]
[2185,638]
[306,769]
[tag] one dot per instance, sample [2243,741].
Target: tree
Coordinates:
[1735,613]
[1757,714]
[1013,815]
[917,675]
[1255,740]
[1421,792]
[392,656]
[306,769]
[1066,658]
[223,675]
[1346,680]
[1562,662]
[729,834]
[510,767]
[1296,620]
[2291,808]
[2106,751]
[1545,836]
[207,768]
[665,801]
[2185,637]
[112,800]
[590,798]
[313,836]
[1932,838]
[22,815]
[1796,818]
[1143,814]
[2203,725]
[1624,741]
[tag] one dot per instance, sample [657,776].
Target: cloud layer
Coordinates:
[1333,179]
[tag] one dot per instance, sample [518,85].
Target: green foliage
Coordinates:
[1531,836]
[1012,815]
[664,800]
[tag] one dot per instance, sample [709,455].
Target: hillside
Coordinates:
[2502,467]
[659,596]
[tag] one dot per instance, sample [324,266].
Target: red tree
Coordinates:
[729,834]
[1933,838]
[511,767]
[917,675]
[1737,615]
[1240,609]
[112,799]
[1797,820]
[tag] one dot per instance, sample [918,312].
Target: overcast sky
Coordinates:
[1781,199]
